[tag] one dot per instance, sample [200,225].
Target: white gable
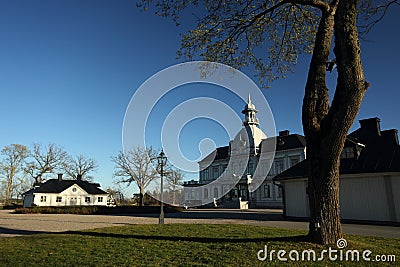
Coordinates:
[74,190]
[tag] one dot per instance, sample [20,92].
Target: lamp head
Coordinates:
[162,159]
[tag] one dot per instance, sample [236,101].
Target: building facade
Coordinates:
[369,180]
[240,175]
[59,192]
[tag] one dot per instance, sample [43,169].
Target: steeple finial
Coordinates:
[250,111]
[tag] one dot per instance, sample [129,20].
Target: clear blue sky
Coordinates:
[68,70]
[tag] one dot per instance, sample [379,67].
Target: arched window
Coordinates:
[205,192]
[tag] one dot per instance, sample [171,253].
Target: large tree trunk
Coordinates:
[323,181]
[9,186]
[323,190]
[326,128]
[141,197]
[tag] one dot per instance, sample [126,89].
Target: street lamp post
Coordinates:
[162,160]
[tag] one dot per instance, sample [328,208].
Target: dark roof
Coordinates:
[222,152]
[379,152]
[29,192]
[57,186]
[300,170]
[290,141]
[219,153]
[286,142]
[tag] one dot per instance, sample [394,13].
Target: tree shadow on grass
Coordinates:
[297,238]
[216,214]
[9,231]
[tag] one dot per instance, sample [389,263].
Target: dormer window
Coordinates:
[281,142]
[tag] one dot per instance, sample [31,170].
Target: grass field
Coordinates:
[176,245]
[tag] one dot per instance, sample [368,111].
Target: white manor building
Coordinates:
[236,175]
[60,192]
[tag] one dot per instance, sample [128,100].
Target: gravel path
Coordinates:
[24,224]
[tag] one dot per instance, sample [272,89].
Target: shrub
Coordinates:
[88,210]
[84,210]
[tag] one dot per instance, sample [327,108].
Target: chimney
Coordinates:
[284,133]
[391,136]
[60,176]
[79,177]
[372,125]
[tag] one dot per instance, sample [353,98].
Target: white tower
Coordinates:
[250,134]
[250,114]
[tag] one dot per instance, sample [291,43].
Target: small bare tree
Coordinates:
[79,165]
[45,159]
[12,164]
[136,165]
[117,194]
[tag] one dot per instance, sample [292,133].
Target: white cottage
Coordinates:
[59,192]
[369,179]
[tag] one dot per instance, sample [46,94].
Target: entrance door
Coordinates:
[72,201]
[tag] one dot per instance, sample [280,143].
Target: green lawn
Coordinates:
[173,245]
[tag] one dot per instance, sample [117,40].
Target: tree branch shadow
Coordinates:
[297,238]
[196,239]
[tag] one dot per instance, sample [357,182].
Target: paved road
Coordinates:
[24,224]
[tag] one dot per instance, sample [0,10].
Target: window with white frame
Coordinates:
[87,199]
[205,174]
[42,198]
[99,199]
[278,166]
[278,192]
[215,172]
[250,168]
[205,193]
[243,193]
[215,192]
[58,199]
[267,191]
[192,194]
[235,193]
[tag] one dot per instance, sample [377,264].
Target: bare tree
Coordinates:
[269,36]
[12,164]
[45,159]
[21,184]
[174,179]
[136,165]
[79,166]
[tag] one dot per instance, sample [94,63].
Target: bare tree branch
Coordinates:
[136,166]
[79,165]
[12,164]
[373,14]
[44,160]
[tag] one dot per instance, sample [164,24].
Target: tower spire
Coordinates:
[250,113]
